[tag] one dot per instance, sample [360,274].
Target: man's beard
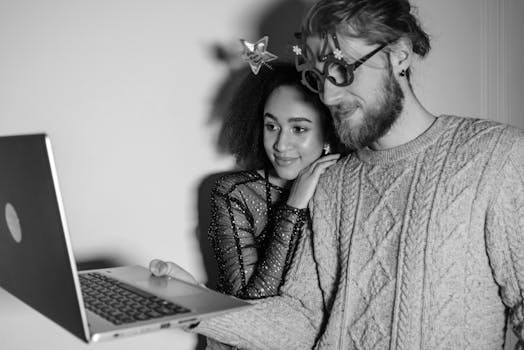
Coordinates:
[375,122]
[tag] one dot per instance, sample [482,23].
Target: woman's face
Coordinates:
[293,135]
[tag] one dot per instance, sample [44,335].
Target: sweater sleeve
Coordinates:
[245,271]
[288,321]
[505,236]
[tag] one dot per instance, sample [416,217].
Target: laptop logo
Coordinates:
[13,223]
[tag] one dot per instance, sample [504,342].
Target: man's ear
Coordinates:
[401,56]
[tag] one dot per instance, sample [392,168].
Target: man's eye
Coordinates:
[338,71]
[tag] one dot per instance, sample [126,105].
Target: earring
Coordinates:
[326,149]
[402,73]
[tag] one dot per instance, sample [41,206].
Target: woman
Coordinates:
[283,132]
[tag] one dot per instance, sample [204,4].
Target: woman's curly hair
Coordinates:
[242,131]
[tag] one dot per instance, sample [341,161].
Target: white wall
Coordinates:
[475,66]
[125,89]
[514,53]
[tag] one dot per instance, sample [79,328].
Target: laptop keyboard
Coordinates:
[122,303]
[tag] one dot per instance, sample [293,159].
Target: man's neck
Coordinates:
[412,122]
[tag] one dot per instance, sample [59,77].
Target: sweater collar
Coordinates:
[409,149]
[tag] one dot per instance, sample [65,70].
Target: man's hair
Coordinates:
[376,21]
[242,133]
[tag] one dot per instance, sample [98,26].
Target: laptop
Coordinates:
[38,267]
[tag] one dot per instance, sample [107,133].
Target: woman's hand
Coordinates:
[167,268]
[304,185]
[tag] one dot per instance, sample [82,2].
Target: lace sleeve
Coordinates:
[269,271]
[242,272]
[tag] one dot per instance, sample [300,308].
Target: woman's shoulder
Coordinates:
[232,181]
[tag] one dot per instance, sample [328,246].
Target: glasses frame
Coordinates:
[308,67]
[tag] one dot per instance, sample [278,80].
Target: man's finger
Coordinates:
[158,267]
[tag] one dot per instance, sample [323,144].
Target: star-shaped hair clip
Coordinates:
[256,54]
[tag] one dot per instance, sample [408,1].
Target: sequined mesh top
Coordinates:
[253,233]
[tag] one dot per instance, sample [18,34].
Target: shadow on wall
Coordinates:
[204,218]
[279,22]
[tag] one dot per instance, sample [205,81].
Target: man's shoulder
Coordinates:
[489,145]
[333,176]
[481,132]
[470,125]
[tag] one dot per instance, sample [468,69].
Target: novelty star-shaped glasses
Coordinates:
[336,69]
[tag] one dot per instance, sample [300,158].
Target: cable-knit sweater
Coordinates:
[416,247]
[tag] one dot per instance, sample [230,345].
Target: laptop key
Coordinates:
[134,290]
[154,314]
[166,311]
[142,317]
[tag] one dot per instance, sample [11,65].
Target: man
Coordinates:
[417,238]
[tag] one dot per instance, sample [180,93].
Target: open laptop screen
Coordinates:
[36,262]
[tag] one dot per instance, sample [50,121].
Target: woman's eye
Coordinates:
[299,129]
[270,127]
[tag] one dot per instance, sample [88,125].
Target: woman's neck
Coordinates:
[274,179]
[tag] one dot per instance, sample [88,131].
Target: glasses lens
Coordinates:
[339,74]
[311,80]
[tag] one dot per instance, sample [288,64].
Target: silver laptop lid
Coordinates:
[36,259]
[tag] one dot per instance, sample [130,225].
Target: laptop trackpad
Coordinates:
[167,287]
